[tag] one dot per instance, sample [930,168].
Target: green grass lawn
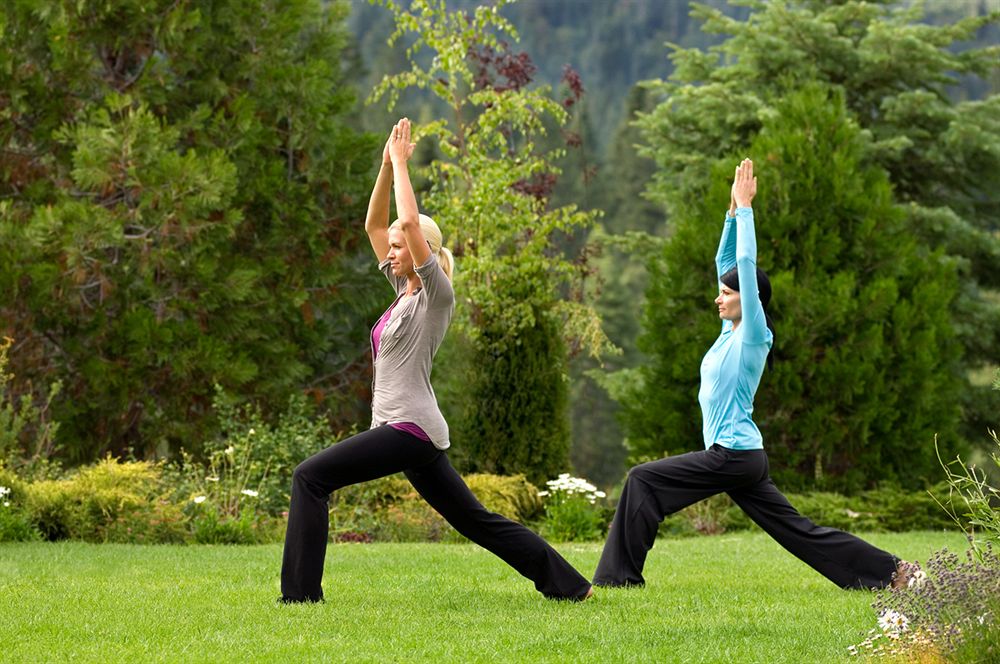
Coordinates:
[731,598]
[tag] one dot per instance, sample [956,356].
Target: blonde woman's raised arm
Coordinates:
[400,150]
[377,219]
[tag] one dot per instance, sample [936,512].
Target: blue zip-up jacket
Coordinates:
[732,367]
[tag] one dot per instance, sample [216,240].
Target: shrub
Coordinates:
[387,509]
[251,455]
[951,605]
[572,512]
[712,516]
[888,509]
[15,526]
[411,520]
[16,487]
[107,502]
[49,507]
[390,509]
[513,496]
[209,525]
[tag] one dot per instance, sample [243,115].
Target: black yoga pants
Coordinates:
[659,488]
[383,451]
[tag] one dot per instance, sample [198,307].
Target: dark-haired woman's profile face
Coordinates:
[729,304]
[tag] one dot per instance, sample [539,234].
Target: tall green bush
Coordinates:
[865,348]
[894,73]
[179,205]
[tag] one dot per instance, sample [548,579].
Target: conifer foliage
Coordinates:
[179,196]
[891,73]
[865,350]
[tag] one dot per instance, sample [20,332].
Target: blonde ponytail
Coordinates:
[446,261]
[432,233]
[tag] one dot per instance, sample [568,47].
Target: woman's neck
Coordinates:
[412,284]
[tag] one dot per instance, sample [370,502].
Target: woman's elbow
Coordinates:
[408,222]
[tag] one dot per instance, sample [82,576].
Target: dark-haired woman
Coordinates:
[734,460]
[408,433]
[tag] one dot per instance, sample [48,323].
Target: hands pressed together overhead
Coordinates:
[398,147]
[744,186]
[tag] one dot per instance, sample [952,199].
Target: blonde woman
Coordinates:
[408,432]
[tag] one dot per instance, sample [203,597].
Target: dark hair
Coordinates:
[732,280]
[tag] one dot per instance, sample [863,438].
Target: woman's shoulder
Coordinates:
[436,284]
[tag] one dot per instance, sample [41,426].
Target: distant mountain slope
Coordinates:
[613,44]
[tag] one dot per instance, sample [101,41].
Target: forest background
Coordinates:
[173,223]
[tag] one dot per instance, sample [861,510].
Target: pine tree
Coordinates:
[181,205]
[865,346]
[896,74]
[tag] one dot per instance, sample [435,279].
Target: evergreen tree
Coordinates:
[895,72]
[180,208]
[865,346]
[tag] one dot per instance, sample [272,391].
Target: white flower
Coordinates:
[230,451]
[211,479]
[917,580]
[571,486]
[4,491]
[249,492]
[893,621]
[198,500]
[542,494]
[251,432]
[7,504]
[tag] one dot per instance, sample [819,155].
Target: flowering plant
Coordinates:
[566,486]
[952,608]
[572,512]
[14,524]
[950,602]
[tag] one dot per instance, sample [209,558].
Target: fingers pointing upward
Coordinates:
[744,184]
